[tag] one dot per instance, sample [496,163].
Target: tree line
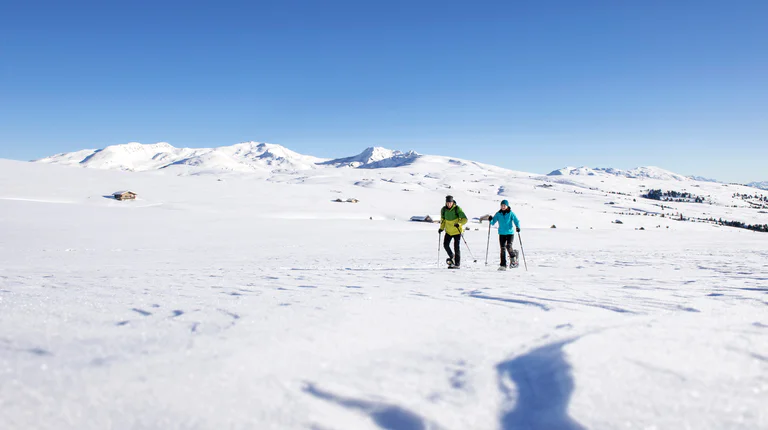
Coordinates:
[672,196]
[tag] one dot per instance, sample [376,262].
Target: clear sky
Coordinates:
[530,85]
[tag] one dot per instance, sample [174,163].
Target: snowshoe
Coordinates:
[449,262]
[515,262]
[454,267]
[502,268]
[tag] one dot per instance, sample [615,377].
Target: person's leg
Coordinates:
[502,249]
[508,248]
[457,249]
[512,251]
[447,245]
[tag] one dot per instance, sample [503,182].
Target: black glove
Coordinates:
[440,230]
[456,225]
[518,229]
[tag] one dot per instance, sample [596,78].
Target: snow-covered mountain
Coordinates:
[369,157]
[242,157]
[648,172]
[271,159]
[702,179]
[762,185]
[374,158]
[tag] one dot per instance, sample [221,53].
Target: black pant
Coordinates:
[505,241]
[455,255]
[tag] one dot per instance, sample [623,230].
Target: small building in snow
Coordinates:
[421,218]
[124,195]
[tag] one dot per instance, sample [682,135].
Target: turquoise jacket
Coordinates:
[505,221]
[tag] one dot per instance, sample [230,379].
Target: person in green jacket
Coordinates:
[452,220]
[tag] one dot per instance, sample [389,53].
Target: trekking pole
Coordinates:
[470,251]
[439,237]
[522,251]
[488,245]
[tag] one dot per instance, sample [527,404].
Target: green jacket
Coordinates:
[449,217]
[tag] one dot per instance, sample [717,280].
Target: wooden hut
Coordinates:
[124,195]
[421,218]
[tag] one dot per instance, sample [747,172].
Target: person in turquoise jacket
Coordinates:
[505,217]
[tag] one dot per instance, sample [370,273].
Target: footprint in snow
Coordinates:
[39,352]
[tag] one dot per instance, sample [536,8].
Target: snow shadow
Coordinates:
[478,295]
[544,387]
[386,416]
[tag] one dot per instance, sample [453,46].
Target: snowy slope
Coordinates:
[397,172]
[233,301]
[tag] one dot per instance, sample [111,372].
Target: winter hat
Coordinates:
[505,202]
[448,199]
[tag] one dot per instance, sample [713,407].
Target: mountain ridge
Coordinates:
[645,172]
[261,157]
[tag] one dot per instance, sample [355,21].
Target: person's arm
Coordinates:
[516,221]
[442,220]
[493,219]
[462,218]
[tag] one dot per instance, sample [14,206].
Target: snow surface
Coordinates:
[252,300]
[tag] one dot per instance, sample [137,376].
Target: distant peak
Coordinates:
[133,145]
[648,172]
[369,157]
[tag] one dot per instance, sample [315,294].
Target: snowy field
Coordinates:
[239,302]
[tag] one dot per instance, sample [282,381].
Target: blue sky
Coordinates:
[530,85]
